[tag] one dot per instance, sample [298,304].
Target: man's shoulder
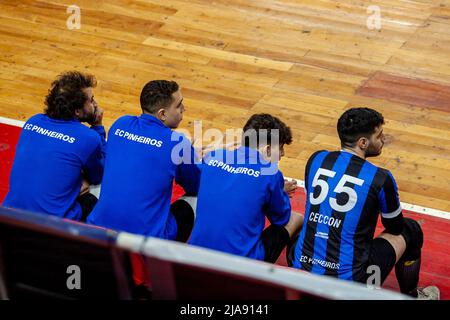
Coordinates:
[177,137]
[122,123]
[382,176]
[73,127]
[380,171]
[37,118]
[384,173]
[316,153]
[124,120]
[314,156]
[219,153]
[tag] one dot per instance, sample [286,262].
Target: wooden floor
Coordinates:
[304,61]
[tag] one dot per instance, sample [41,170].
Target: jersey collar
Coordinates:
[150,118]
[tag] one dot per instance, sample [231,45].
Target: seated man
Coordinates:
[240,188]
[144,157]
[57,156]
[344,195]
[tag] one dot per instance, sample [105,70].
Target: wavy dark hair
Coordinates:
[157,94]
[356,123]
[262,123]
[66,95]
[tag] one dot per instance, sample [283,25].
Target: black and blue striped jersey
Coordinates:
[344,196]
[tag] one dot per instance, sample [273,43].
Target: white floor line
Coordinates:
[12,122]
[405,206]
[301,183]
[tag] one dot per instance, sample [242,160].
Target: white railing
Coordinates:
[307,283]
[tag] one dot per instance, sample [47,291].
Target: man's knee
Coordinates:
[192,202]
[295,224]
[87,202]
[413,235]
[274,239]
[184,213]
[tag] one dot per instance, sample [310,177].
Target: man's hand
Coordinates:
[290,187]
[84,187]
[204,150]
[98,117]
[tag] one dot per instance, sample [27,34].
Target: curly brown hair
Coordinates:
[66,95]
[263,123]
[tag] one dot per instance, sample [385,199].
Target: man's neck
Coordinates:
[153,115]
[150,114]
[354,151]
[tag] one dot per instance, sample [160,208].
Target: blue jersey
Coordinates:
[143,157]
[51,157]
[234,198]
[344,196]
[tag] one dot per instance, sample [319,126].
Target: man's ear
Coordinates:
[266,151]
[363,143]
[77,112]
[161,114]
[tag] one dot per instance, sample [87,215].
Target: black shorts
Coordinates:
[382,254]
[274,239]
[184,216]
[87,202]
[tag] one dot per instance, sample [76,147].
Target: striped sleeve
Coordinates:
[391,209]
[308,167]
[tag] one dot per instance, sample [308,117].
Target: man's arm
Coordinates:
[102,133]
[188,172]
[93,168]
[391,210]
[290,186]
[308,168]
[279,206]
[97,126]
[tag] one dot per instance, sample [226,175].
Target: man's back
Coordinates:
[50,155]
[344,195]
[141,163]
[233,199]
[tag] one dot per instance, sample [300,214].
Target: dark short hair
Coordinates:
[263,121]
[157,94]
[66,95]
[356,123]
